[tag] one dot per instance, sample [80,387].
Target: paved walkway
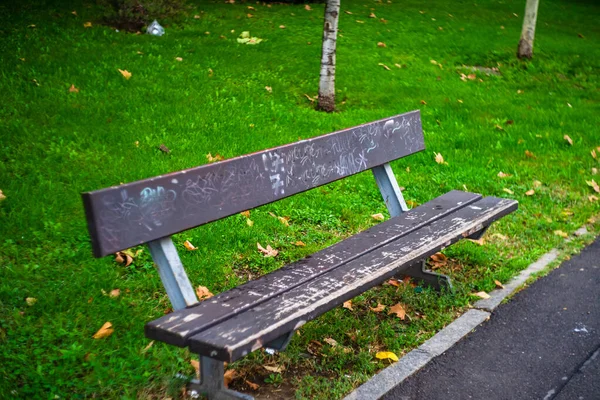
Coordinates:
[543,344]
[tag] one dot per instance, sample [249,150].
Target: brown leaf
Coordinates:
[530,192]
[384,66]
[228,376]
[115,293]
[480,242]
[381,44]
[126,74]
[568,139]
[178,59]
[73,89]
[217,157]
[439,258]
[145,349]
[307,7]
[561,234]
[423,102]
[483,295]
[594,185]
[398,309]
[529,154]
[284,220]
[299,243]
[281,26]
[251,8]
[188,245]
[203,293]
[372,15]
[87,24]
[331,342]
[196,365]
[393,282]
[503,175]
[380,307]
[104,332]
[268,252]
[471,76]
[246,214]
[250,15]
[499,284]
[508,191]
[378,217]
[122,257]
[348,305]
[164,148]
[252,385]
[277,369]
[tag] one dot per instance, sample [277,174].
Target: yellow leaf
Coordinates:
[561,233]
[592,198]
[380,307]
[348,12]
[188,245]
[30,301]
[594,171]
[483,295]
[498,284]
[252,385]
[268,252]
[281,26]
[378,217]
[503,175]
[383,65]
[348,305]
[73,89]
[529,154]
[568,139]
[439,158]
[217,157]
[386,355]
[249,222]
[311,99]
[275,369]
[399,310]
[228,376]
[269,89]
[300,243]
[372,15]
[126,74]
[381,44]
[104,332]
[284,220]
[203,293]
[246,214]
[115,293]
[508,191]
[307,7]
[593,153]
[530,192]
[87,24]
[594,185]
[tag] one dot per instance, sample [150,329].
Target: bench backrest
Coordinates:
[123,216]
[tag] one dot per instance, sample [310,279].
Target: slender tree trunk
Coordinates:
[327,79]
[528,32]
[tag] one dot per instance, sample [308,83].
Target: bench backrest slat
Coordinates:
[123,216]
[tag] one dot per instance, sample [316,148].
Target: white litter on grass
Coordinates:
[155,29]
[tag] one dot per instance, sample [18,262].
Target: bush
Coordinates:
[133,15]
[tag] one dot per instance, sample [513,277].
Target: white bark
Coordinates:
[528,32]
[327,78]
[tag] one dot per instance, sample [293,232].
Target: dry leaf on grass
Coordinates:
[330,342]
[383,65]
[115,293]
[529,154]
[393,282]
[249,222]
[73,89]
[268,252]
[530,192]
[104,332]
[126,74]
[380,307]
[311,99]
[568,139]
[196,365]
[178,59]
[228,376]
[307,7]
[299,243]
[537,184]
[499,284]
[284,220]
[386,355]
[269,89]
[30,301]
[277,369]
[188,245]
[560,233]
[348,305]
[480,241]
[483,295]
[594,185]
[164,148]
[122,257]
[2,196]
[399,310]
[246,214]
[87,24]
[217,157]
[439,158]
[203,293]
[593,153]
[508,191]
[378,217]
[503,175]
[381,44]
[592,198]
[252,385]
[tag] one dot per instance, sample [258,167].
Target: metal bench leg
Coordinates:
[419,272]
[211,382]
[280,343]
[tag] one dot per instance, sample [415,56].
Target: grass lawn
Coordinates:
[56,143]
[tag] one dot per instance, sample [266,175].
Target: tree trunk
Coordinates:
[528,32]
[327,79]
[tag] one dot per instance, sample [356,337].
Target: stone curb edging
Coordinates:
[393,375]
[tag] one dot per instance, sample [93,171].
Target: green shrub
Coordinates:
[133,15]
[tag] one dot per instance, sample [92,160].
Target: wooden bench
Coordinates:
[266,312]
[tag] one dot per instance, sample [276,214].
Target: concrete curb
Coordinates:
[393,375]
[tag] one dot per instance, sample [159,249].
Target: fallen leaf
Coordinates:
[471,76]
[348,305]
[196,16]
[348,12]
[145,349]
[249,222]
[281,26]
[499,284]
[73,89]
[228,376]
[268,252]
[398,66]
[433,62]
[115,293]
[104,332]
[398,309]
[480,242]
[423,102]
[561,234]
[568,139]
[269,89]
[210,72]
[284,220]
[594,172]
[500,128]
[384,66]
[386,355]
[529,154]
[503,175]
[592,198]
[508,191]
[2,196]
[87,24]
[275,369]
[203,293]
[179,59]
[74,13]
[307,7]
[164,148]
[122,257]
[312,100]
[252,385]
[439,258]
[530,192]
[537,184]
[246,213]
[250,8]
[380,307]
[393,282]
[126,74]
[381,44]
[331,342]
[30,301]
[372,15]
[594,185]
[593,153]
[188,245]
[196,365]
[250,15]
[439,158]
[217,157]
[299,243]
[483,295]
[378,217]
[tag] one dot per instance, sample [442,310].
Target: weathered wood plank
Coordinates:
[248,331]
[131,214]
[176,327]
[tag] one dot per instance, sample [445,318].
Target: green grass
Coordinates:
[56,144]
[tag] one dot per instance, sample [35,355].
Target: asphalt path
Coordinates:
[543,344]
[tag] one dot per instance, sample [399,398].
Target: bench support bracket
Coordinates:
[419,272]
[388,186]
[211,382]
[280,343]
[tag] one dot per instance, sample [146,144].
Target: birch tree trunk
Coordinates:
[327,77]
[528,32]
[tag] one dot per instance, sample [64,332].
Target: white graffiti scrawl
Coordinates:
[275,167]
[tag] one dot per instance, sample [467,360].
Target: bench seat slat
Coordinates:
[250,330]
[123,216]
[176,327]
